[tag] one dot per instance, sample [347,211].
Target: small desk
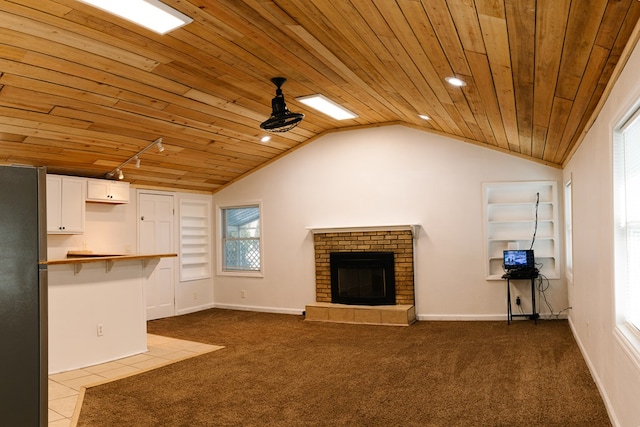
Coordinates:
[532,277]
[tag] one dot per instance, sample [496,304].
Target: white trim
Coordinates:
[194,309]
[483,317]
[277,310]
[218,236]
[629,342]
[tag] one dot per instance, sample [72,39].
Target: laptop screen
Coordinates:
[518,259]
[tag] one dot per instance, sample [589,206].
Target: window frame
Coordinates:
[626,332]
[220,240]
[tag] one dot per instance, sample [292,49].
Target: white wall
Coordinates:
[381,176]
[616,370]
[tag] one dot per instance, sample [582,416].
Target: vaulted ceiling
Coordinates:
[82,91]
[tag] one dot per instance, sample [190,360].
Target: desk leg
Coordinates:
[533,300]
[508,302]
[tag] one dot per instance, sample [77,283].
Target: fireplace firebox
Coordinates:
[363,278]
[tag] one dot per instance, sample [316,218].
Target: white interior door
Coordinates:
[155,236]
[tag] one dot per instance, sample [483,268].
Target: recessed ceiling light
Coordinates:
[455,81]
[424,117]
[265,138]
[151,14]
[327,106]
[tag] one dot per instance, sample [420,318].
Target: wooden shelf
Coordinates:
[86,258]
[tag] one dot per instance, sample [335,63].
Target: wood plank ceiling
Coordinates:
[82,91]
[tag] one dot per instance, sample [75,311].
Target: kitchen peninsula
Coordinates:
[97,308]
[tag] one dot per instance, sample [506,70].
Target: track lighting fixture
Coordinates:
[117,172]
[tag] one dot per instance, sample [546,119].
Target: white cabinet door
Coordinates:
[97,190]
[104,191]
[119,192]
[65,205]
[72,206]
[54,200]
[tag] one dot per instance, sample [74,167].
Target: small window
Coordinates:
[568,230]
[241,241]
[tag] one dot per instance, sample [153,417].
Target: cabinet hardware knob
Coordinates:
[142,218]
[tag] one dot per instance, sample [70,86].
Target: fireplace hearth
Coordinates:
[362,278]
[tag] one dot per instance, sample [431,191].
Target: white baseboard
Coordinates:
[194,309]
[260,309]
[480,317]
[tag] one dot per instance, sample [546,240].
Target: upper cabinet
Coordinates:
[65,204]
[105,191]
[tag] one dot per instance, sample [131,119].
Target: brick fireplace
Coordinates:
[396,239]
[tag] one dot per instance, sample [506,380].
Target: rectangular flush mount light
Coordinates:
[151,14]
[327,106]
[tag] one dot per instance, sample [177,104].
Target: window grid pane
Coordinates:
[242,254]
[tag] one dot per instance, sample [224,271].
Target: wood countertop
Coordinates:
[80,258]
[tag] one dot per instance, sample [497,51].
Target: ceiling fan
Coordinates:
[281,119]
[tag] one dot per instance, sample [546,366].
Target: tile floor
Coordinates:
[66,388]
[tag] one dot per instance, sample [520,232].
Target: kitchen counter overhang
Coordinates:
[78,258]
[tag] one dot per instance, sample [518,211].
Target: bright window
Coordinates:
[568,229]
[241,242]
[627,217]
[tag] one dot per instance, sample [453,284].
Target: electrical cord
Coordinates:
[535,229]
[542,296]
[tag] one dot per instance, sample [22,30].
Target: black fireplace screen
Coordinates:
[365,278]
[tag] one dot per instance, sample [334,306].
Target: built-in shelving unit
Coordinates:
[510,223]
[195,238]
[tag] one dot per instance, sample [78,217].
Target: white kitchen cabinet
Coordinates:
[105,191]
[65,204]
[522,215]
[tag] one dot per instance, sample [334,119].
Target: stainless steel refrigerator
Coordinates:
[23,296]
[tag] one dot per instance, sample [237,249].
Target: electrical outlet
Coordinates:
[518,300]
[100,329]
[195,296]
[243,294]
